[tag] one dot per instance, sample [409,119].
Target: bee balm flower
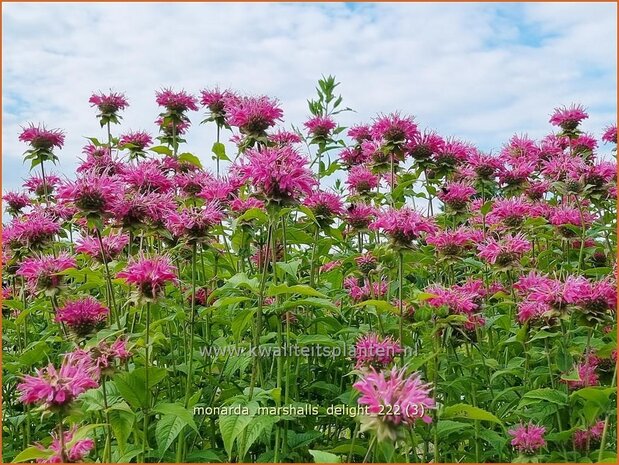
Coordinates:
[150,275]
[528,439]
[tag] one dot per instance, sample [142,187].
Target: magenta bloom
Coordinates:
[394,400]
[452,152]
[135,209]
[359,216]
[253,115]
[135,140]
[146,176]
[220,190]
[610,134]
[569,220]
[15,201]
[149,275]
[31,230]
[484,165]
[361,180]
[352,156]
[332,265]
[394,128]
[568,118]
[531,310]
[360,132]
[76,453]
[512,211]
[459,300]
[282,137]
[109,104]
[372,350]
[39,137]
[403,226]
[82,316]
[423,146]
[113,245]
[366,262]
[456,195]
[103,356]
[176,102]
[91,193]
[505,251]
[192,182]
[240,206]
[170,128]
[521,148]
[528,439]
[215,100]
[56,388]
[361,289]
[42,272]
[320,126]
[453,243]
[588,437]
[280,175]
[324,205]
[36,185]
[194,223]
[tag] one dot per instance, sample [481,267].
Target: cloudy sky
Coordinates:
[479,71]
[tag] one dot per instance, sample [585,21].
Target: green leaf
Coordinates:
[447,427]
[596,395]
[179,410]
[321,456]
[122,419]
[132,385]
[547,394]
[190,158]
[32,453]
[300,289]
[380,305]
[167,430]
[162,150]
[219,150]
[257,426]
[469,412]
[232,426]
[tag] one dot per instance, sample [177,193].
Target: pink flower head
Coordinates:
[394,128]
[320,126]
[360,132]
[360,289]
[113,245]
[215,100]
[568,118]
[484,165]
[372,350]
[99,161]
[82,316]
[366,262]
[91,192]
[584,143]
[135,141]
[394,399]
[458,300]
[332,265]
[137,210]
[352,156]
[279,174]
[56,388]
[149,275]
[559,167]
[42,272]
[41,138]
[516,172]
[194,222]
[36,185]
[505,251]
[102,357]
[76,453]
[521,148]
[361,180]
[15,201]
[512,211]
[403,226]
[109,104]
[452,152]
[252,115]
[220,190]
[423,146]
[240,206]
[456,195]
[532,310]
[176,102]
[324,205]
[452,243]
[282,137]
[146,176]
[360,215]
[610,134]
[588,437]
[192,182]
[587,373]
[528,439]
[569,219]
[31,230]
[169,128]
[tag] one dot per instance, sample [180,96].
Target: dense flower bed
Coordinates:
[460,304]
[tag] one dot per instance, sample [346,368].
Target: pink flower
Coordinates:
[215,100]
[588,437]
[452,152]
[169,128]
[31,230]
[332,265]
[194,223]
[91,193]
[240,206]
[82,316]
[512,211]
[456,195]
[136,141]
[176,102]
[403,226]
[113,245]
[76,453]
[15,201]
[528,439]
[252,115]
[109,104]
[587,373]
[394,399]
[506,251]
[282,137]
[359,216]
[54,388]
[42,272]
[532,310]
[352,156]
[39,137]
[452,243]
[36,185]
[516,172]
[484,165]
[99,161]
[372,350]
[137,210]
[366,262]
[521,149]
[394,128]
[324,205]
[569,219]
[361,289]
[361,180]
[192,182]
[146,176]
[320,126]
[423,146]
[610,134]
[150,275]
[568,118]
[360,132]
[102,357]
[220,190]
[459,300]
[280,174]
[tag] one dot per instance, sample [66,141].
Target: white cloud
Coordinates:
[479,71]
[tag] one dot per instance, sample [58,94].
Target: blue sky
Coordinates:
[479,71]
